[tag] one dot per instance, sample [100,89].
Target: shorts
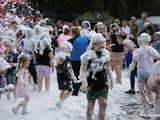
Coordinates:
[142,75]
[43,70]
[64,82]
[93,95]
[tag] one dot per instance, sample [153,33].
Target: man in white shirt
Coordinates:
[125,27]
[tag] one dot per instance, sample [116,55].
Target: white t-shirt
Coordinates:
[126,29]
[145,56]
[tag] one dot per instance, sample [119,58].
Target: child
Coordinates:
[63,37]
[64,72]
[11,56]
[144,58]
[154,83]
[27,46]
[94,73]
[22,87]
[4,65]
[44,61]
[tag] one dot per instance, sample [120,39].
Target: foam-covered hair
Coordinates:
[100,25]
[144,38]
[65,27]
[87,34]
[86,25]
[146,24]
[38,30]
[28,33]
[96,38]
[9,41]
[45,41]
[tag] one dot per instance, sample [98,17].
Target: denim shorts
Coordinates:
[142,75]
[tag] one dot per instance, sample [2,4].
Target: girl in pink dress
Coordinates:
[22,87]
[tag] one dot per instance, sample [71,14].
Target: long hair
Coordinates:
[21,61]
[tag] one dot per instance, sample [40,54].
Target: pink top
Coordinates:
[22,87]
[63,38]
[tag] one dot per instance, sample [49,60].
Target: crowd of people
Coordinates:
[83,56]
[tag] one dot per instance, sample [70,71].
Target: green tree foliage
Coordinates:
[123,9]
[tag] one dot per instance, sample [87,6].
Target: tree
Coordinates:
[123,9]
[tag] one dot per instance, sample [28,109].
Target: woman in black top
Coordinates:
[44,60]
[117,56]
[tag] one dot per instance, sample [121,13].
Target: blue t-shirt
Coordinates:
[156,45]
[80,45]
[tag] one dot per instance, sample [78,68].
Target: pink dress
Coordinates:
[63,38]
[21,89]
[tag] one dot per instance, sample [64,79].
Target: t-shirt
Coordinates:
[63,38]
[156,45]
[80,45]
[43,59]
[12,57]
[141,26]
[96,63]
[145,56]
[134,29]
[118,48]
[63,63]
[126,29]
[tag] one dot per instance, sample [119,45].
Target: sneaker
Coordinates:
[34,87]
[150,105]
[130,92]
[24,111]
[145,109]
[15,110]
[59,103]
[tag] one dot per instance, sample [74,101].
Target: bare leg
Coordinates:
[24,103]
[141,86]
[29,77]
[61,95]
[118,71]
[66,95]
[90,109]
[47,83]
[102,107]
[40,83]
[149,93]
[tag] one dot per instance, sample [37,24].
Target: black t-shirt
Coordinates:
[118,48]
[101,77]
[43,59]
[12,57]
